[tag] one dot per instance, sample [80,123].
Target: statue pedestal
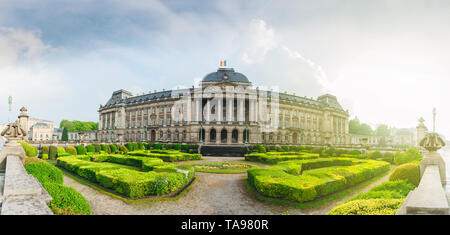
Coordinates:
[11,148]
[433,158]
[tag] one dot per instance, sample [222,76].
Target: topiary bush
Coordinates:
[113,148]
[81,150]
[129,146]
[409,172]
[90,148]
[123,149]
[53,152]
[71,150]
[44,150]
[412,154]
[97,148]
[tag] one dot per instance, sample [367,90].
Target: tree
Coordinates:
[65,135]
[354,126]
[382,130]
[365,129]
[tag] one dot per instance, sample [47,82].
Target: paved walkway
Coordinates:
[211,194]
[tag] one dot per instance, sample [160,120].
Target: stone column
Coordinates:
[219,112]
[208,111]
[230,109]
[241,107]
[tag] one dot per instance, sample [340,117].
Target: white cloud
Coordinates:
[24,74]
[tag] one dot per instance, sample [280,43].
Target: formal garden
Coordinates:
[294,175]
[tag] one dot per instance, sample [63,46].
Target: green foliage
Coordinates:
[45,150]
[412,154]
[387,190]
[78,125]
[90,148]
[97,147]
[355,127]
[306,180]
[409,172]
[30,151]
[129,146]
[65,135]
[157,177]
[275,157]
[67,199]
[71,150]
[375,155]
[123,149]
[81,150]
[368,207]
[44,172]
[140,146]
[53,152]
[167,155]
[113,148]
[60,151]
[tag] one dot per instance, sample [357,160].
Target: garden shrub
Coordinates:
[97,148]
[90,148]
[141,146]
[113,148]
[30,151]
[388,157]
[44,172]
[44,150]
[103,148]
[53,152]
[368,207]
[319,177]
[66,200]
[387,190]
[123,149]
[81,150]
[409,155]
[127,180]
[129,146]
[374,155]
[32,159]
[71,150]
[275,157]
[409,172]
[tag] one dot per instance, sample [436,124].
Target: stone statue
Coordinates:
[13,130]
[432,142]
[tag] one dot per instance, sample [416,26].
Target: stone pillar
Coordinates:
[208,111]
[219,108]
[230,109]
[241,108]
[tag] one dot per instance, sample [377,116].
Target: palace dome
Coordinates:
[225,74]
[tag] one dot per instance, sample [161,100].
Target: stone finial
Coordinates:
[432,142]
[13,130]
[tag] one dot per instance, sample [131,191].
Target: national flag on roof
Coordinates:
[223,63]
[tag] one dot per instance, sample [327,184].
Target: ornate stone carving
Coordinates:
[432,142]
[13,130]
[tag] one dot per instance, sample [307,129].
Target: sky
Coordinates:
[386,61]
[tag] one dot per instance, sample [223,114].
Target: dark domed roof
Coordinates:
[225,74]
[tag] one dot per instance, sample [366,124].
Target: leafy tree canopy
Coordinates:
[78,125]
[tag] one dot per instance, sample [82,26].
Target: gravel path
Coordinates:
[221,194]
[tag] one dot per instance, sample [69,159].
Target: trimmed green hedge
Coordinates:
[44,172]
[384,199]
[306,180]
[65,200]
[412,154]
[275,157]
[157,177]
[71,150]
[368,207]
[30,151]
[53,152]
[167,155]
[81,150]
[409,172]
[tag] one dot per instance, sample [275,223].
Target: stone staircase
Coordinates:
[223,151]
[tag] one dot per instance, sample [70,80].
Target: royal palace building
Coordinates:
[224,109]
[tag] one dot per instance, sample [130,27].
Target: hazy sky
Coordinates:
[386,61]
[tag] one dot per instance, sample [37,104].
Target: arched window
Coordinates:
[223,136]
[234,136]
[212,135]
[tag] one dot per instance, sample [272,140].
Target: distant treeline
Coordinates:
[78,125]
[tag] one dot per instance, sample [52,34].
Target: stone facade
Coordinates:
[225,109]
